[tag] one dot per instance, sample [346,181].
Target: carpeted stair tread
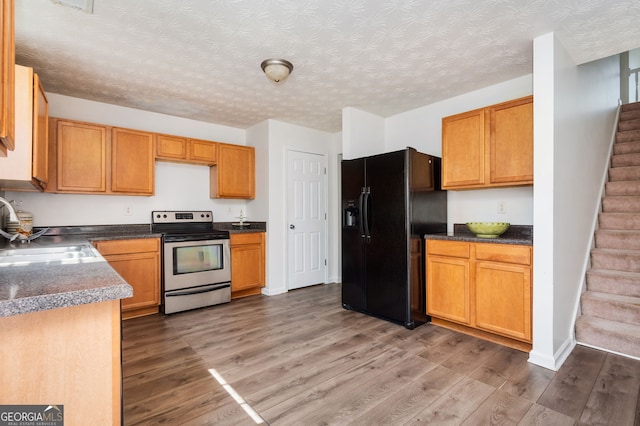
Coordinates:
[624,173]
[620,260]
[622,187]
[626,147]
[630,122]
[630,106]
[618,239]
[629,113]
[610,306]
[618,282]
[619,220]
[627,136]
[623,160]
[608,335]
[621,204]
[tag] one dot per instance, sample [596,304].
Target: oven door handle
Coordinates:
[197,291]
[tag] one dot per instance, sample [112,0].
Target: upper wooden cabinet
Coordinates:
[489,147]
[132,162]
[94,159]
[234,176]
[26,168]
[7,76]
[184,150]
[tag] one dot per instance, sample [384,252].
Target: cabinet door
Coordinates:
[132,162]
[448,288]
[503,299]
[204,152]
[171,147]
[141,271]
[7,73]
[247,261]
[512,142]
[40,132]
[81,157]
[463,149]
[234,175]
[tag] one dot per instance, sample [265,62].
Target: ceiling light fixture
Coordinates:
[276,69]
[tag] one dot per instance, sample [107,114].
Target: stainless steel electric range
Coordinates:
[196,260]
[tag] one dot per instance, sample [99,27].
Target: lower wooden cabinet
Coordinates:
[247,263]
[138,262]
[481,288]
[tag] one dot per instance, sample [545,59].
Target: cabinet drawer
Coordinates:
[504,253]
[139,245]
[448,248]
[247,238]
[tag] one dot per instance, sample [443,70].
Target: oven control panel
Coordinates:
[196,216]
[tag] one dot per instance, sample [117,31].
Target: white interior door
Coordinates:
[307,219]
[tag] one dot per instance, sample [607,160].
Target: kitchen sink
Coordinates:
[77,253]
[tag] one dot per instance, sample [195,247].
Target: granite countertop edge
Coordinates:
[472,239]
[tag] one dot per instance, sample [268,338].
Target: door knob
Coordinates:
[292,226]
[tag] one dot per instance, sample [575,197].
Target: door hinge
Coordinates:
[325,170]
[325,262]
[325,216]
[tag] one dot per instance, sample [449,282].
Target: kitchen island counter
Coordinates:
[45,285]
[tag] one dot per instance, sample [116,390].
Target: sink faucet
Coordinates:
[12,213]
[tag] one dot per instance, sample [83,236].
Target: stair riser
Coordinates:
[613,284]
[621,204]
[624,173]
[630,107]
[623,160]
[612,311]
[630,122]
[626,147]
[617,241]
[616,261]
[628,136]
[619,221]
[619,188]
[620,343]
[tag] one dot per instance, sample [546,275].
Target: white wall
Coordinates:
[363,133]
[421,129]
[574,112]
[178,186]
[276,138]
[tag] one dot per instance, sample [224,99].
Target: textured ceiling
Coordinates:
[200,59]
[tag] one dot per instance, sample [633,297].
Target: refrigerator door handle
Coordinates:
[361,202]
[365,214]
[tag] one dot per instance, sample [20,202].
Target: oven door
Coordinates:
[196,263]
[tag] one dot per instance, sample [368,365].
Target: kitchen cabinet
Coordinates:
[96,159]
[489,147]
[26,167]
[483,289]
[138,262]
[7,75]
[132,162]
[247,263]
[184,150]
[69,356]
[234,176]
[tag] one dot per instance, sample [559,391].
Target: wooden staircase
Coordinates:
[611,305]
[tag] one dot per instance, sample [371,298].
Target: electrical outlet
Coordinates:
[128,211]
[502,207]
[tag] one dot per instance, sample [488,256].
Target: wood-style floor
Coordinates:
[300,359]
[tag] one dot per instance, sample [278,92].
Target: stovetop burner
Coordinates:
[185,222]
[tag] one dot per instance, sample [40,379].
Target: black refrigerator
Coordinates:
[389,201]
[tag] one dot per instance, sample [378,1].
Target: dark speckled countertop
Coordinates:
[516,234]
[49,285]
